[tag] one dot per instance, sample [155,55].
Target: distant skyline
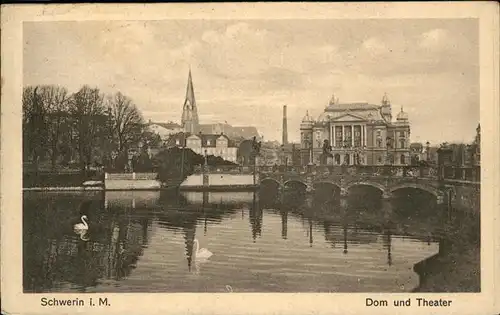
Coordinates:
[245,71]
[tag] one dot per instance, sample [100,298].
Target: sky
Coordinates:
[244,71]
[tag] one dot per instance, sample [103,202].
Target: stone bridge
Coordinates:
[386,184]
[386,179]
[459,185]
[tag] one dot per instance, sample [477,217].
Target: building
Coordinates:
[189,120]
[356,133]
[417,153]
[164,130]
[269,153]
[290,154]
[206,144]
[461,161]
[236,133]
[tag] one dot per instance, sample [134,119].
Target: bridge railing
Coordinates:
[365,170]
[469,173]
[224,169]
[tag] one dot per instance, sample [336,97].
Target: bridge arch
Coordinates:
[270,179]
[378,186]
[294,181]
[431,190]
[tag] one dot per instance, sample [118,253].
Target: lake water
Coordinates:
[144,242]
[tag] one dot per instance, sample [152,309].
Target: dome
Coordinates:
[307,121]
[307,118]
[324,117]
[402,115]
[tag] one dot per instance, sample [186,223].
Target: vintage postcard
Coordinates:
[238,158]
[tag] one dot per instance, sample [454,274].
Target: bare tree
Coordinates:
[56,101]
[34,125]
[126,120]
[88,115]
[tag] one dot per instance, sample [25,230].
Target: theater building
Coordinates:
[357,134]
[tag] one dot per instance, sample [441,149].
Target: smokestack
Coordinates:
[285,129]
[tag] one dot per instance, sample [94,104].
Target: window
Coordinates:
[402,143]
[337,159]
[379,142]
[209,142]
[378,133]
[379,159]
[402,159]
[347,159]
[357,133]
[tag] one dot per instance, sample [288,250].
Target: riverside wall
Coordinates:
[218,180]
[131,181]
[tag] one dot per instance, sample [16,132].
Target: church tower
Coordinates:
[189,119]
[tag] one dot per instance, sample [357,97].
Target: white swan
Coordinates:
[81,226]
[200,253]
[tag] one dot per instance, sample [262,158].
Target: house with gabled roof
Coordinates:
[206,144]
[164,130]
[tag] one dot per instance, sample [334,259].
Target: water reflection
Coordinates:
[261,242]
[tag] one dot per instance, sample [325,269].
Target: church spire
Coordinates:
[190,112]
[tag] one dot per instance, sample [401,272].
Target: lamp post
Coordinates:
[182,157]
[310,142]
[427,151]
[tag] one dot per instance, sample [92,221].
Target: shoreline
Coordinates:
[180,188]
[81,188]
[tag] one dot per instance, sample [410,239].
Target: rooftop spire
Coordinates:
[190,90]
[385,99]
[190,113]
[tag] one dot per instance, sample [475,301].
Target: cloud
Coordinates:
[433,39]
[244,71]
[375,46]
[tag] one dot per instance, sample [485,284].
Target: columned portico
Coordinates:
[346,137]
[360,129]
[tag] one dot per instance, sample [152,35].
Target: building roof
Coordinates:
[350,106]
[205,139]
[233,132]
[168,125]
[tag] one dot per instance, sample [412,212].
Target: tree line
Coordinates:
[62,129]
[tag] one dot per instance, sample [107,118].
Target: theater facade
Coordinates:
[356,134]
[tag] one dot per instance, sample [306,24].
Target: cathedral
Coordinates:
[189,120]
[356,134]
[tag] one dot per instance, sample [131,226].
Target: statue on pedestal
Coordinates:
[327,153]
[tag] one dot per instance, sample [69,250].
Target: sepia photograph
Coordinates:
[251,155]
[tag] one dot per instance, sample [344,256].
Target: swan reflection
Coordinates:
[200,256]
